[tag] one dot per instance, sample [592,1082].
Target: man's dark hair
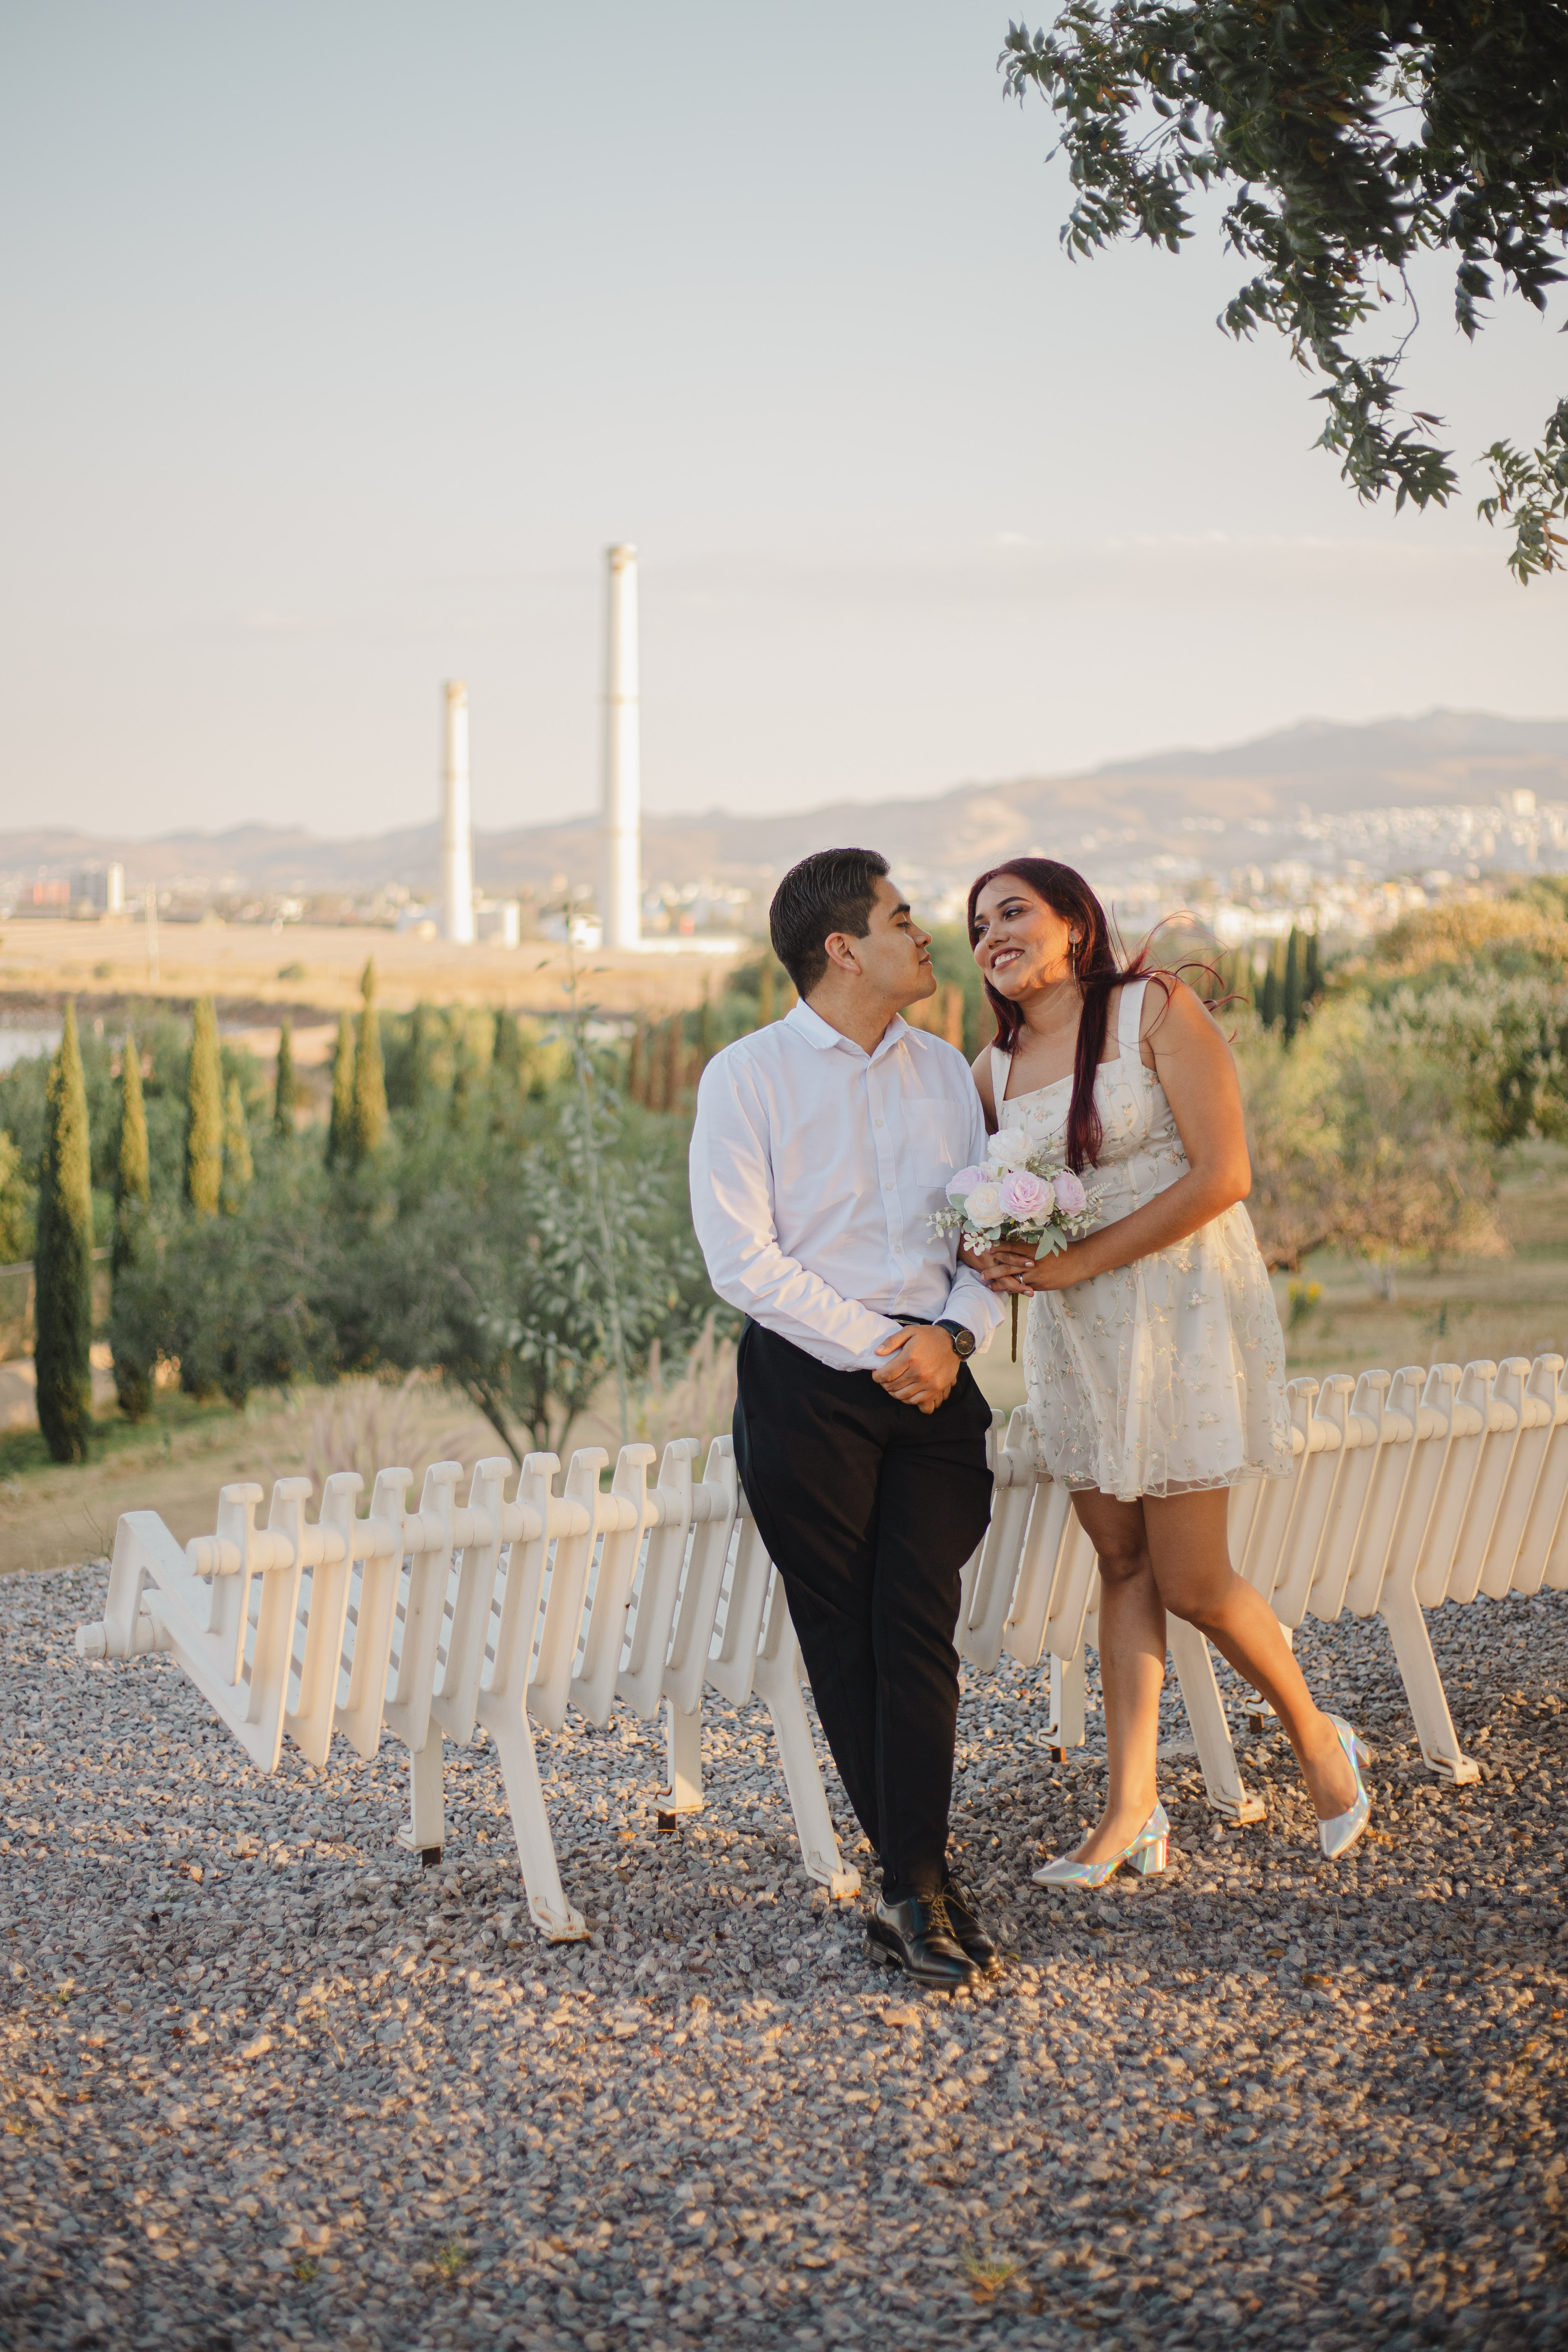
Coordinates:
[834,890]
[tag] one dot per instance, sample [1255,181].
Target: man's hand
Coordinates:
[924,1368]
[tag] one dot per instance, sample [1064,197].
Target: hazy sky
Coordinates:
[340,338]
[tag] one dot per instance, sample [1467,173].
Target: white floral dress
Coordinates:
[1167,1374]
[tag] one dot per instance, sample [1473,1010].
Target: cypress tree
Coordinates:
[339,1127]
[203,1114]
[1268,1010]
[237,1165]
[1290,1005]
[62,1260]
[419,1061]
[1314,977]
[506,1053]
[369,1124]
[288,1090]
[132,1199]
[132,1171]
[705,1028]
[765,1014]
[462,1076]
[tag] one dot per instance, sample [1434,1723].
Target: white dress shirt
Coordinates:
[813,1165]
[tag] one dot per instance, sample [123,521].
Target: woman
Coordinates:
[1154,1354]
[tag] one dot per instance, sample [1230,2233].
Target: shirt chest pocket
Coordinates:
[936,1139]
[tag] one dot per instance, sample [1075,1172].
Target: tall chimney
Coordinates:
[457,838]
[621,884]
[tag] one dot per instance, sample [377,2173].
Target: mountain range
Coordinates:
[1240,802]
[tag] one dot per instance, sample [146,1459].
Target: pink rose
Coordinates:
[1022,1195]
[1071,1198]
[965,1183]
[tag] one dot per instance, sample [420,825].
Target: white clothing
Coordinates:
[1166,1374]
[813,1165]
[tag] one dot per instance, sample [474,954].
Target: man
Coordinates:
[822,1143]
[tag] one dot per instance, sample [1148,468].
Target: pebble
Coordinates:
[264,2080]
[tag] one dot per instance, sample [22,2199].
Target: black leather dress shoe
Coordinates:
[916,1936]
[967,1932]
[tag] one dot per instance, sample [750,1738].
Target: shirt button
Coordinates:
[887,1188]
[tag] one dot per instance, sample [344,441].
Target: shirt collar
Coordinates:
[823,1034]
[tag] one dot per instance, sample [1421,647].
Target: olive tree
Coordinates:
[1349,137]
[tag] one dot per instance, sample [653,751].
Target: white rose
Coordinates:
[1009,1150]
[983,1205]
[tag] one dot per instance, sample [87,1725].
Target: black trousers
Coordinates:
[869,1509]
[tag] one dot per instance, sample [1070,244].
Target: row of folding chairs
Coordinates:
[491,1614]
[1411,1489]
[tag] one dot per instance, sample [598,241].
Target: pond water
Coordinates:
[20,1039]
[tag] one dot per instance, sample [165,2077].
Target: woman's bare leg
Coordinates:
[1190,1561]
[1131,1669]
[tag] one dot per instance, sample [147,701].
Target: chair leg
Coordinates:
[1206,1713]
[682,1792]
[1067,1725]
[424,1831]
[553,1916]
[1403,1615]
[777,1681]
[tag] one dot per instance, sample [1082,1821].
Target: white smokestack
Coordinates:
[621,883]
[456,836]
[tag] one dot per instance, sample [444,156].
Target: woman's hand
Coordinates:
[1013,1268]
[996,1266]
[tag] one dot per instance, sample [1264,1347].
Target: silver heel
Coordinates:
[1337,1836]
[1148,1854]
[1149,1860]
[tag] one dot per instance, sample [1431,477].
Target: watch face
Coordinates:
[963,1340]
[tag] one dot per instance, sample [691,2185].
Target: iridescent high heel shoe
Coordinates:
[1148,1854]
[1337,1836]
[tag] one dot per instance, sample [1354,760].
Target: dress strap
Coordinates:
[1001,1063]
[1130,1013]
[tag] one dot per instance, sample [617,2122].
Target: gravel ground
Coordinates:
[265,2081]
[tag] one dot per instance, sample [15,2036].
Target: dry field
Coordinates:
[250,968]
[1462,1313]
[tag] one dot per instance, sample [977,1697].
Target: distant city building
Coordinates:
[498,921]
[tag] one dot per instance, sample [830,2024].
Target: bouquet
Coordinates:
[1021,1194]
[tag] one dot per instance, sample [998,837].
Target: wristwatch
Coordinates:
[963,1338]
